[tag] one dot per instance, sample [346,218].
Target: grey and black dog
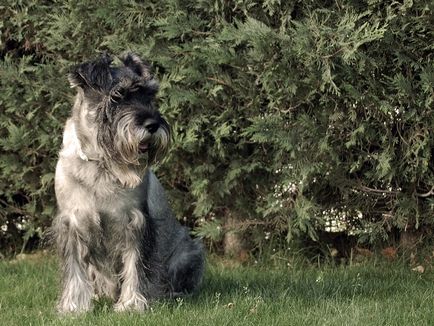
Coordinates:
[114,230]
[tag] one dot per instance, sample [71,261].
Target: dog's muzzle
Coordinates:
[152,126]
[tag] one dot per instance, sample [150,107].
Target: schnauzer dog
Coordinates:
[114,230]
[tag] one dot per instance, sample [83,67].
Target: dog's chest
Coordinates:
[119,206]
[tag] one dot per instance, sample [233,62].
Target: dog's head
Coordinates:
[115,106]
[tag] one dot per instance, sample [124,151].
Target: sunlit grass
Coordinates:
[373,294]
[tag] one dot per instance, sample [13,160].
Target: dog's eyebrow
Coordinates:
[137,84]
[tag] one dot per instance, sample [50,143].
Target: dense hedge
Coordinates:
[288,115]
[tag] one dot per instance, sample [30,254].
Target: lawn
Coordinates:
[372,294]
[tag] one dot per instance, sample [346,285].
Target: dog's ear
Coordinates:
[143,70]
[137,65]
[93,75]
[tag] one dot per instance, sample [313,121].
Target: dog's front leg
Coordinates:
[133,272]
[73,241]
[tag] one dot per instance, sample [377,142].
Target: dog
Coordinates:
[114,229]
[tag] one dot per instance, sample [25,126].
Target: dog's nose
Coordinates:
[152,126]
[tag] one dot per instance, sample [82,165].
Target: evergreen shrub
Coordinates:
[289,117]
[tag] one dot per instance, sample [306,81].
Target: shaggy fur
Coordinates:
[115,232]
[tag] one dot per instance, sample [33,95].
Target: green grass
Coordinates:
[375,294]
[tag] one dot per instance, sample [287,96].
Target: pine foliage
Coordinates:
[283,111]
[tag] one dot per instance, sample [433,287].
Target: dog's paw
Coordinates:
[75,299]
[136,303]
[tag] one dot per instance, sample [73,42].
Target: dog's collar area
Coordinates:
[84,157]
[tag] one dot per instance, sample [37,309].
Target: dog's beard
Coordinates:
[135,145]
[131,148]
[159,143]
[128,140]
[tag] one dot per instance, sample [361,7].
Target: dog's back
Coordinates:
[181,256]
